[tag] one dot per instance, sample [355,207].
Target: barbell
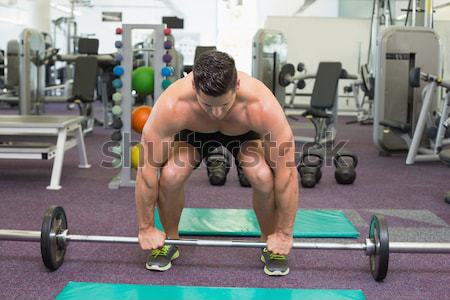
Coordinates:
[54,238]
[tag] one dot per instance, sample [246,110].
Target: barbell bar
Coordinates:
[54,238]
[65,237]
[368,246]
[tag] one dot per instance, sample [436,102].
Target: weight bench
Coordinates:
[322,111]
[66,128]
[84,81]
[83,91]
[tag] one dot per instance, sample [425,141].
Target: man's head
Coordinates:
[215,82]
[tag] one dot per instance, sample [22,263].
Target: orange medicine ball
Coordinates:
[139,117]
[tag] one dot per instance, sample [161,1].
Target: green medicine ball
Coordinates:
[143,80]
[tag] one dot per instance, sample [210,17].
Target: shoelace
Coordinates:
[163,251]
[274,256]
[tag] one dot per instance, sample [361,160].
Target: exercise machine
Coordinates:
[425,128]
[363,94]
[399,50]
[269,48]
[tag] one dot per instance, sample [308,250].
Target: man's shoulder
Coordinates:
[178,96]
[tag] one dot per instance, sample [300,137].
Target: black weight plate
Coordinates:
[301,84]
[286,70]
[379,260]
[54,222]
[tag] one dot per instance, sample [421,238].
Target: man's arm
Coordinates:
[279,148]
[281,157]
[156,141]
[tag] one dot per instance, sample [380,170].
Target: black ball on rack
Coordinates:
[117,123]
[116,136]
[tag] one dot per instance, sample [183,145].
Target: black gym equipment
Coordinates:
[301,67]
[368,82]
[54,238]
[85,79]
[379,234]
[116,136]
[218,165]
[286,75]
[117,123]
[447,197]
[322,110]
[199,50]
[345,163]
[301,84]
[243,181]
[52,251]
[2,69]
[309,167]
[414,77]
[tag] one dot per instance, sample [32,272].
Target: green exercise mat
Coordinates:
[108,291]
[243,223]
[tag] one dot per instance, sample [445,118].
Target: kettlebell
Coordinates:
[218,166]
[310,167]
[345,163]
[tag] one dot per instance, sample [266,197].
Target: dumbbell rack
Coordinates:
[124,177]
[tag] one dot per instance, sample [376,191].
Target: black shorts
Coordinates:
[207,142]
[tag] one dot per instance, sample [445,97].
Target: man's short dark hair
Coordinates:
[214,73]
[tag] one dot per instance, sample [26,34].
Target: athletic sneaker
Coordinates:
[161,259]
[274,264]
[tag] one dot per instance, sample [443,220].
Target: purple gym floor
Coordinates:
[410,196]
